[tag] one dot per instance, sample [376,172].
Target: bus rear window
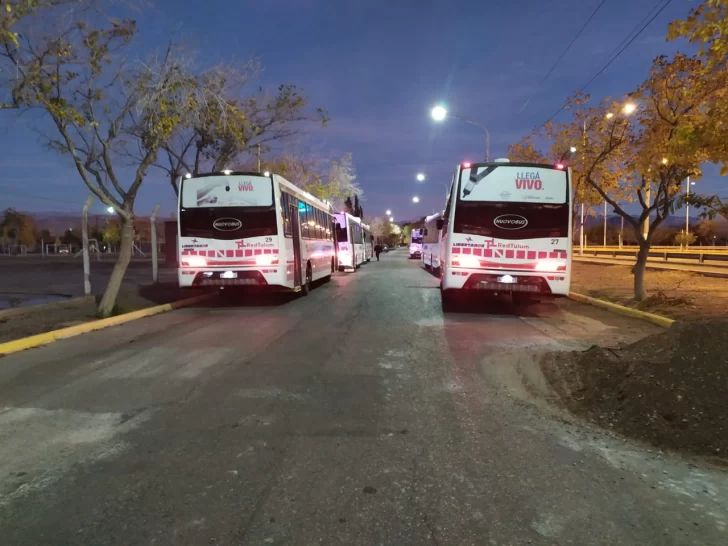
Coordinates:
[227,191]
[513,183]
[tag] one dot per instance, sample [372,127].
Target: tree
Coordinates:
[224,124]
[329,181]
[357,207]
[71,238]
[18,228]
[685,238]
[647,156]
[112,232]
[660,148]
[381,229]
[100,107]
[348,205]
[706,25]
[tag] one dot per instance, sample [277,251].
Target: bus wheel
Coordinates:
[448,300]
[306,288]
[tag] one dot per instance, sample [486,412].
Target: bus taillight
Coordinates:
[551,265]
[465,261]
[194,261]
[266,259]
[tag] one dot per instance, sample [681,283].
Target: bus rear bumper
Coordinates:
[226,277]
[508,282]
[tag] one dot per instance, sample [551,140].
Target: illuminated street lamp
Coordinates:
[110,210]
[439,113]
[572,149]
[415,199]
[391,218]
[388,212]
[629,108]
[609,115]
[420,177]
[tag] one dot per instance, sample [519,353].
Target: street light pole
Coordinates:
[481,126]
[439,113]
[605,222]
[687,212]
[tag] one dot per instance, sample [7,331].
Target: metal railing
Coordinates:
[711,257]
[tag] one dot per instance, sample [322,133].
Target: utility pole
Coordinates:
[258,147]
[605,222]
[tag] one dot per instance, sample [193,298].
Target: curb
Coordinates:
[664,322]
[37,340]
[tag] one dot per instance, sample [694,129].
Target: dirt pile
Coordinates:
[670,389]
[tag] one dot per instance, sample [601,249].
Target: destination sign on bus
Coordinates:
[513,183]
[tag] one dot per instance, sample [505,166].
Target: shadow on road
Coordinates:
[475,303]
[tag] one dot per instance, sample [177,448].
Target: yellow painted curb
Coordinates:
[622,310]
[49,337]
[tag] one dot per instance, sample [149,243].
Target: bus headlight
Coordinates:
[551,265]
[194,261]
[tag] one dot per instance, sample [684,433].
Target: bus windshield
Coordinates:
[342,235]
[513,201]
[227,207]
[513,184]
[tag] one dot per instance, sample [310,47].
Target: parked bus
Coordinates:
[415,247]
[350,241]
[250,229]
[368,243]
[507,228]
[431,243]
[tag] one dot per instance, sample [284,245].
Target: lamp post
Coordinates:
[439,113]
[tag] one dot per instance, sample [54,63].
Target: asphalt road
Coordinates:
[359,415]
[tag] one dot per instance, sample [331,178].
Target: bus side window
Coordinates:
[303,222]
[319,224]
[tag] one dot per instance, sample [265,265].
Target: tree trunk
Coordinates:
[106,306]
[639,272]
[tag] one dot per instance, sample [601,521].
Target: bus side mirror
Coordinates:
[440,223]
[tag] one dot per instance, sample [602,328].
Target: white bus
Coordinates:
[415,247]
[249,229]
[368,242]
[350,241]
[507,229]
[431,243]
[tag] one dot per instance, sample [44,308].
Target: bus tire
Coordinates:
[448,300]
[306,287]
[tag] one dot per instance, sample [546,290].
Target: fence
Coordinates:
[714,257]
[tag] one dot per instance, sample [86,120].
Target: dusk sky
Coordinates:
[378,67]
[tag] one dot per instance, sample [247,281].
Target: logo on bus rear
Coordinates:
[510,221]
[227,224]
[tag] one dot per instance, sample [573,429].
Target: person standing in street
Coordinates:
[377,250]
